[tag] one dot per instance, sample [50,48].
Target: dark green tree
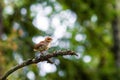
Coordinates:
[88,27]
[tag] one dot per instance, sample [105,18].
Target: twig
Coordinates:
[37,60]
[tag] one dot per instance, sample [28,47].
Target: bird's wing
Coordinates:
[39,45]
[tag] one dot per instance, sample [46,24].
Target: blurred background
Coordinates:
[91,28]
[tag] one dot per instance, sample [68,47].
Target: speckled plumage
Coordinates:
[43,45]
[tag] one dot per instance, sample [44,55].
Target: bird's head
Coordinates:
[48,39]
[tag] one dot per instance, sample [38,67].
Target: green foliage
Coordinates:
[93,25]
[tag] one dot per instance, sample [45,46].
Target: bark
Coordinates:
[116,34]
[1,32]
[1,24]
[37,60]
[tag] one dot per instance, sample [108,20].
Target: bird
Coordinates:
[43,45]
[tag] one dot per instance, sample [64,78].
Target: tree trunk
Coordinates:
[1,24]
[1,32]
[116,34]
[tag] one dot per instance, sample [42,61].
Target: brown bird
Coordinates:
[43,45]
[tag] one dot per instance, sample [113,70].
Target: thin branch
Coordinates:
[37,60]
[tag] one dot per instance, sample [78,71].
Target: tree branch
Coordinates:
[37,60]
